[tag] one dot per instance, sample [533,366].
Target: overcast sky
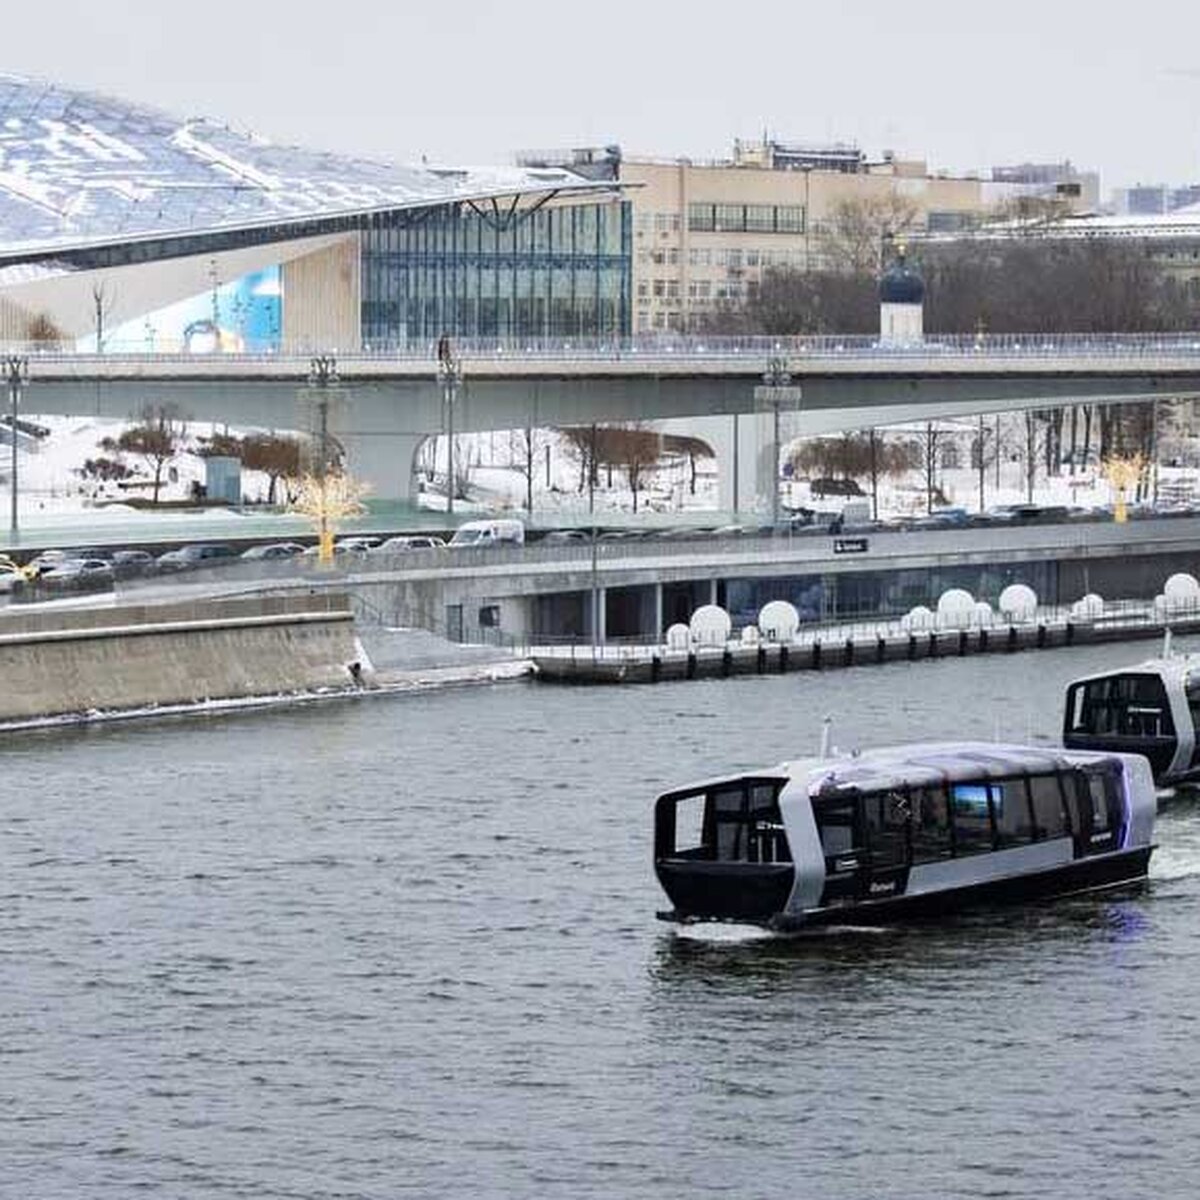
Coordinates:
[1113,86]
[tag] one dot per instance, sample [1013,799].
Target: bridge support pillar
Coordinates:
[385,461]
[745,452]
[658,612]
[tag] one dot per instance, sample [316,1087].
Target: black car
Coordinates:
[194,556]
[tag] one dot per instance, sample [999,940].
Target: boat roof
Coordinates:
[913,764]
[1174,666]
[934,763]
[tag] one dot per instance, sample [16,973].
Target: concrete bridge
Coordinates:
[389,400]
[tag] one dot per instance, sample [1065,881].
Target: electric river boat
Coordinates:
[903,832]
[1151,709]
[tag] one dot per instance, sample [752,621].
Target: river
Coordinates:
[407,946]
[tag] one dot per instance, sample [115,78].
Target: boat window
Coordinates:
[1010,806]
[1048,813]
[972,819]
[747,824]
[1099,802]
[1124,705]
[885,818]
[729,815]
[835,820]
[689,824]
[931,836]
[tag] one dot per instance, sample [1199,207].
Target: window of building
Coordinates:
[731,218]
[702,217]
[661,222]
[673,257]
[760,218]
[734,260]
[703,289]
[660,288]
[789,218]
[658,256]
[672,289]
[752,258]
[643,288]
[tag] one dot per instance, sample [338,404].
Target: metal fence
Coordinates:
[297,357]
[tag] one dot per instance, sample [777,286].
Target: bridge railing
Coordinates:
[656,347]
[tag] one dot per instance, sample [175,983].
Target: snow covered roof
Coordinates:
[933,763]
[79,170]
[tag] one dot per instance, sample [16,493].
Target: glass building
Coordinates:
[548,272]
[364,252]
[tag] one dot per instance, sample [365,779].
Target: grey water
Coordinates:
[408,947]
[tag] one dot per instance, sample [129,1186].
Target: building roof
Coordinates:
[79,170]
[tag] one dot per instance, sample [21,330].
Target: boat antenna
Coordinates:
[1166,650]
[826,737]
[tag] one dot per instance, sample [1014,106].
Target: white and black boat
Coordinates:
[1151,709]
[903,832]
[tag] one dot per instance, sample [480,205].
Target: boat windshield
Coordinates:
[1128,705]
[734,822]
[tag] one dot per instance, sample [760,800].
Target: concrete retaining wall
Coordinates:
[62,662]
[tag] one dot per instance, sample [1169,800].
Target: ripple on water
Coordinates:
[410,946]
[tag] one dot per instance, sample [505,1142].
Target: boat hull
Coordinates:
[1101,872]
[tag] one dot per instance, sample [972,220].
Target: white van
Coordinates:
[490,533]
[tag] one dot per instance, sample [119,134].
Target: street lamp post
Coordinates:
[450,374]
[776,389]
[16,367]
[322,375]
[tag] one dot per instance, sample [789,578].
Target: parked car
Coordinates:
[194,556]
[567,535]
[273,550]
[835,487]
[133,559]
[355,545]
[414,541]
[501,531]
[10,576]
[78,568]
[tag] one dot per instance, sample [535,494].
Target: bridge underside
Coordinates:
[383,421]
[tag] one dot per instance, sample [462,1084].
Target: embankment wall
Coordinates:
[54,663]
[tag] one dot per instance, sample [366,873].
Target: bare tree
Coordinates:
[156,438]
[278,457]
[859,227]
[526,446]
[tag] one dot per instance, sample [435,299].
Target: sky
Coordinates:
[1111,86]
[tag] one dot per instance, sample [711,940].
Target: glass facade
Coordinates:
[553,272]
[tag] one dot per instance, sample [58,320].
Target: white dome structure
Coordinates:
[710,625]
[679,638]
[917,618]
[983,615]
[955,609]
[1088,608]
[1018,602]
[1181,591]
[778,621]
[749,635]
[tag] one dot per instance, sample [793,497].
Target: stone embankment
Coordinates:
[60,663]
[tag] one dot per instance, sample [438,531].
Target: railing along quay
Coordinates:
[296,358]
[854,644]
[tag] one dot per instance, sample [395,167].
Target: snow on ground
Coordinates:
[53,493]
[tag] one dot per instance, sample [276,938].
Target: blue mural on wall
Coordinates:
[242,317]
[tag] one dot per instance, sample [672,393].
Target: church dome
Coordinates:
[901,284]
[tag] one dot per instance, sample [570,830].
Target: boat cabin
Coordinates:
[905,831]
[1151,709]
